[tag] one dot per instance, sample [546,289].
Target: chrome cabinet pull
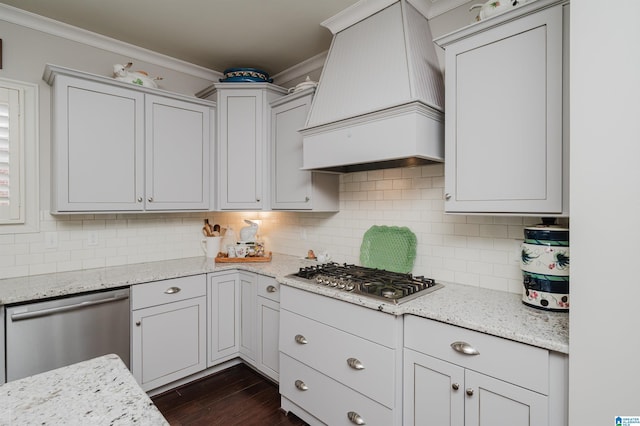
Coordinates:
[150,199]
[355,364]
[172,290]
[455,386]
[355,418]
[301,385]
[139,199]
[271,289]
[464,348]
[138,323]
[447,196]
[469,391]
[301,339]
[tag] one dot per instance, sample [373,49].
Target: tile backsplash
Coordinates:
[474,250]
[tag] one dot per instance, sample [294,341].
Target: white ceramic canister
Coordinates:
[545,267]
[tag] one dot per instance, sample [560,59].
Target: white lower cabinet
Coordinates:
[222,310]
[268,315]
[168,336]
[243,317]
[340,363]
[504,384]
[248,322]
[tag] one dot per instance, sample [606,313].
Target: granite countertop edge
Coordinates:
[492,312]
[98,391]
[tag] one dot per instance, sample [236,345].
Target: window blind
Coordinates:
[10,161]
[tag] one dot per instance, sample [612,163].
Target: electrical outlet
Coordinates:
[51,240]
[92,238]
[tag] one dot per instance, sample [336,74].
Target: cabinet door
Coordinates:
[97,147]
[290,187]
[504,118]
[268,335]
[433,391]
[224,327]
[168,342]
[177,155]
[241,140]
[496,403]
[248,323]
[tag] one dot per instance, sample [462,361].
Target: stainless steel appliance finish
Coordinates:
[46,335]
[392,287]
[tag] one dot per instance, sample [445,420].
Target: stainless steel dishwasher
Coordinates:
[42,336]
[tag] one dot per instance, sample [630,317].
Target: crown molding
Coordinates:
[302,69]
[60,29]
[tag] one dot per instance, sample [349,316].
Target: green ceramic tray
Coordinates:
[391,248]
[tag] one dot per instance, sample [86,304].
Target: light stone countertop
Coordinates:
[100,391]
[493,312]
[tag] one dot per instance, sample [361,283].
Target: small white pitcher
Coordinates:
[211,246]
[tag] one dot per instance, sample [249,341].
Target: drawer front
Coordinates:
[367,323]
[268,287]
[327,399]
[165,291]
[331,351]
[514,362]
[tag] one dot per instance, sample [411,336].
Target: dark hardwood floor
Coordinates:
[235,396]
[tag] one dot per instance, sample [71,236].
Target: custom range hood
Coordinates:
[380,99]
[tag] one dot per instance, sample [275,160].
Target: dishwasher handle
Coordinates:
[44,312]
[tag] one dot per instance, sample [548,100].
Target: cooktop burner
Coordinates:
[392,287]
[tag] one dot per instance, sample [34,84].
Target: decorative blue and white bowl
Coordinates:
[235,75]
[545,267]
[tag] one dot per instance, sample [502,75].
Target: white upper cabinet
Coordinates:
[292,188]
[243,143]
[117,147]
[177,154]
[506,126]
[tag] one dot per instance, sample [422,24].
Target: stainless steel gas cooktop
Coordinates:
[392,287]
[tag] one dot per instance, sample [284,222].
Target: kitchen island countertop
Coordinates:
[100,391]
[490,311]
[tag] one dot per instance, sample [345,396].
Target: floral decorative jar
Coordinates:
[545,267]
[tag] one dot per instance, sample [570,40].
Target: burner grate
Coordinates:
[393,287]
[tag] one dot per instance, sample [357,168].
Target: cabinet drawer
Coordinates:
[514,362]
[367,323]
[268,287]
[327,399]
[165,291]
[328,350]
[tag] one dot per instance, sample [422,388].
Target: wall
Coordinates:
[475,250]
[63,242]
[605,207]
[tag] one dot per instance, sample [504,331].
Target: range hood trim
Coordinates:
[352,135]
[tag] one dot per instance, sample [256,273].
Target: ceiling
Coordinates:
[272,35]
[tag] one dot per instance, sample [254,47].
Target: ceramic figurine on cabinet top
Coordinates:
[141,78]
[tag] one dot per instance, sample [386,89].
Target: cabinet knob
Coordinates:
[455,386]
[271,289]
[301,385]
[138,323]
[447,196]
[355,418]
[301,339]
[139,199]
[469,391]
[464,348]
[306,199]
[355,364]
[172,290]
[150,199]
[257,200]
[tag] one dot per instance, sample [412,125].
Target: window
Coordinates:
[18,157]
